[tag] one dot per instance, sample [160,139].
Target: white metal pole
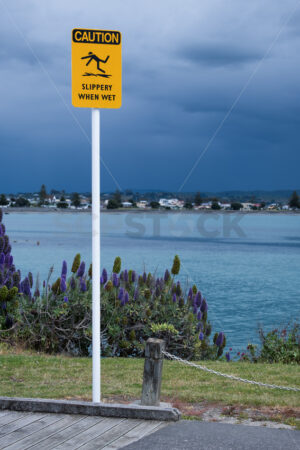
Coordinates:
[96,253]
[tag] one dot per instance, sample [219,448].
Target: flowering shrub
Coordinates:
[133,308]
[10,280]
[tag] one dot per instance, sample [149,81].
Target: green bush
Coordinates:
[277,346]
[281,346]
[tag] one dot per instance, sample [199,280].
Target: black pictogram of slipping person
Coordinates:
[92,57]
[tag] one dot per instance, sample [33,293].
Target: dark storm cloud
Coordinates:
[184,65]
[218,54]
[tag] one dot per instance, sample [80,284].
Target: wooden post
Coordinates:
[152,372]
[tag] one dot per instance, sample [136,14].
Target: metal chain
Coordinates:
[231,377]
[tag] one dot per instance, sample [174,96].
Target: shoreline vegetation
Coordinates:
[154,201]
[143,211]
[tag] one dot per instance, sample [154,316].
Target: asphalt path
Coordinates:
[192,435]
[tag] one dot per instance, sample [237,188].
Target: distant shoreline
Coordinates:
[142,211]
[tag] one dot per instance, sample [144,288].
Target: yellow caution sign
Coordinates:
[96,68]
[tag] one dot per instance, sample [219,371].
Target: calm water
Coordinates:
[249,272]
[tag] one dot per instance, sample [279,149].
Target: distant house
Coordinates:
[247,206]
[142,204]
[272,207]
[206,205]
[172,203]
[127,204]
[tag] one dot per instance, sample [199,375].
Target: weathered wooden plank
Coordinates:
[44,433]
[20,422]
[135,434]
[89,434]
[10,417]
[72,431]
[111,435]
[37,424]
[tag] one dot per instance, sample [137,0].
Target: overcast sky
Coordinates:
[211,96]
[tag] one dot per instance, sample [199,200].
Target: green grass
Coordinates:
[35,375]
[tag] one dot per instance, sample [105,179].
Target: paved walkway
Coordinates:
[40,431]
[195,435]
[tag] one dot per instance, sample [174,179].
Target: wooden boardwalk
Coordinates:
[40,431]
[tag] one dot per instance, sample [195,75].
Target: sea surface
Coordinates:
[246,265]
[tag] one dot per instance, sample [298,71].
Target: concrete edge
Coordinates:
[132,411]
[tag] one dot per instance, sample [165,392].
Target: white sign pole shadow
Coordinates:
[96,344]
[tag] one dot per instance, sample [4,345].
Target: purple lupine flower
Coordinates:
[144,277]
[136,294]
[227,356]
[121,294]
[190,294]
[81,270]
[126,297]
[6,242]
[37,293]
[64,269]
[203,306]
[115,280]
[125,274]
[104,276]
[167,275]
[199,326]
[63,286]
[133,276]
[30,278]
[66,299]
[16,279]
[26,287]
[72,283]
[199,315]
[6,259]
[83,287]
[101,280]
[9,283]
[44,284]
[174,298]
[220,339]
[198,299]
[201,336]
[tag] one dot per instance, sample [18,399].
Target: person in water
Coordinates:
[91,56]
